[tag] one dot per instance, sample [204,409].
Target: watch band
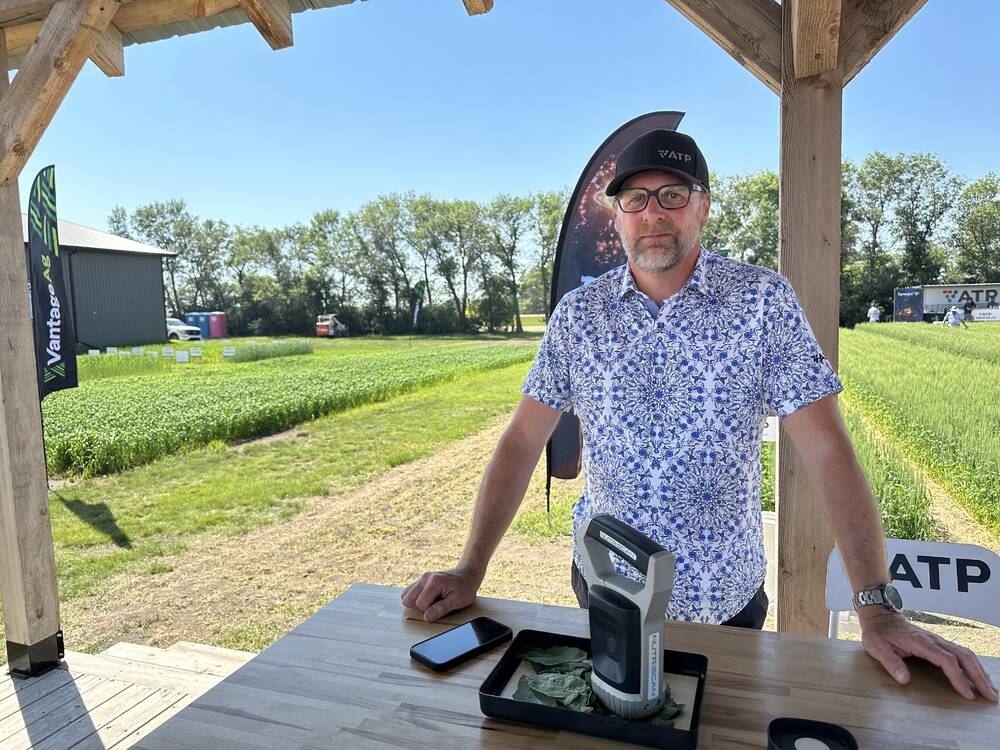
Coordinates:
[868,597]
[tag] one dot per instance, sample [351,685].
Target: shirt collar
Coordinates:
[697,281]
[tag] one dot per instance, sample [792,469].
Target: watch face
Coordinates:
[893,596]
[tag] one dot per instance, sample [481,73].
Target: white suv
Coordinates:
[178,330]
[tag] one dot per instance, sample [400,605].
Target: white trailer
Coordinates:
[938,298]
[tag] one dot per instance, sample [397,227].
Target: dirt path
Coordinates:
[240,591]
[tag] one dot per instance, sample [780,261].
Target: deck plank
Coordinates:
[35,728]
[33,692]
[109,700]
[88,724]
[202,663]
[139,673]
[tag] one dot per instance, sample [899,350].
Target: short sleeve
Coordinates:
[548,381]
[795,371]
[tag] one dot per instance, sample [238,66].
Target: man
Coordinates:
[952,319]
[671,362]
[967,308]
[873,313]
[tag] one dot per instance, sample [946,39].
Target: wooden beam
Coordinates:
[136,15]
[109,52]
[749,30]
[273,20]
[809,257]
[475,7]
[145,14]
[867,26]
[28,585]
[815,35]
[67,38]
[20,11]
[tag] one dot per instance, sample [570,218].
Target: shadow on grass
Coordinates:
[99,517]
[933,619]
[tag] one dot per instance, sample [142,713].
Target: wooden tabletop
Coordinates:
[344,678]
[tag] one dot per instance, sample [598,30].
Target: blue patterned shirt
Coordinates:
[673,405]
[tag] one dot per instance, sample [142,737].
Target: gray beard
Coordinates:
[661,260]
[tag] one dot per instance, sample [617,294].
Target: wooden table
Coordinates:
[344,678]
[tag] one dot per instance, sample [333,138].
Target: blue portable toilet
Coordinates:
[199,319]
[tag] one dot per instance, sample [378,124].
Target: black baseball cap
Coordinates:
[666,150]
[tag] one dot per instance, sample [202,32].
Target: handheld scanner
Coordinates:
[611,621]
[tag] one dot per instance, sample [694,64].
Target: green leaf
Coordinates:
[553,656]
[524,692]
[665,718]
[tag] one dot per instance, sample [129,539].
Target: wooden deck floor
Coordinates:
[108,700]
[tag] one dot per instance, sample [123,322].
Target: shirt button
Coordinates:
[659,325]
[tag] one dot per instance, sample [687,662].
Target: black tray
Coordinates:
[675,662]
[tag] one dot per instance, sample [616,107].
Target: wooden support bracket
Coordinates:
[273,20]
[109,53]
[475,7]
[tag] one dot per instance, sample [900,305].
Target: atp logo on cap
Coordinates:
[666,153]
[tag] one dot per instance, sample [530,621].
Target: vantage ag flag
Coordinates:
[588,247]
[55,342]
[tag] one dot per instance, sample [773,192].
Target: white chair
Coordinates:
[951,579]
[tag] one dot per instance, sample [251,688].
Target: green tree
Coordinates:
[977,231]
[207,262]
[381,225]
[744,219]
[547,213]
[927,191]
[877,189]
[509,221]
[464,239]
[424,229]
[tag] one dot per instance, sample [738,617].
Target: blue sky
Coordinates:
[398,95]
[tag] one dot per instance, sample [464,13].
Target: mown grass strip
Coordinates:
[114,424]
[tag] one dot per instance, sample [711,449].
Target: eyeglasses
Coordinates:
[634,200]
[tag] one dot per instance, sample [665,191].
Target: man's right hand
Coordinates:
[438,593]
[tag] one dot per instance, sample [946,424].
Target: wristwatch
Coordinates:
[883,596]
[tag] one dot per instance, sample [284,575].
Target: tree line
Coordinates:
[474,266]
[906,220]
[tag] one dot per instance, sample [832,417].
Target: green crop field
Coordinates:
[115,422]
[935,394]
[980,341]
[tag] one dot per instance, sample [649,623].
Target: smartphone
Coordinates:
[452,647]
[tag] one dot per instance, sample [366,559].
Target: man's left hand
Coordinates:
[889,638]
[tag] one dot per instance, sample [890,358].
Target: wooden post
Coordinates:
[27,562]
[809,256]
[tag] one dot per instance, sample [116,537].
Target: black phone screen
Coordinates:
[459,641]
